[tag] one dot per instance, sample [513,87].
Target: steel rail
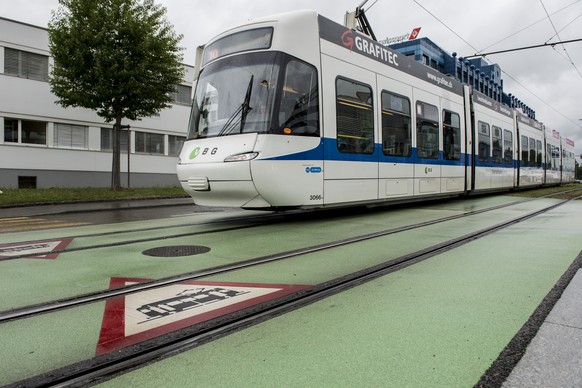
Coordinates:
[27,311]
[45,307]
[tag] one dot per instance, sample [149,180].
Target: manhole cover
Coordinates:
[176,250]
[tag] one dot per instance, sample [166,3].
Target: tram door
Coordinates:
[350,122]
[396,169]
[427,167]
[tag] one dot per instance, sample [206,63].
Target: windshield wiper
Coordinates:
[244,109]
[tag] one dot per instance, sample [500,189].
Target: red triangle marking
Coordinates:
[39,247]
[161,310]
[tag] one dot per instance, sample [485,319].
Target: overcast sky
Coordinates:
[547,79]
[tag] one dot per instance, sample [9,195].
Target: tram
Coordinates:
[297,111]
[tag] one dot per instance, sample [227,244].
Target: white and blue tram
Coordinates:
[297,111]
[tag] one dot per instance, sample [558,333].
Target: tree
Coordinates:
[119,58]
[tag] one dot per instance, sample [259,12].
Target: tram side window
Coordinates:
[484,142]
[553,157]
[396,126]
[539,153]
[299,108]
[451,136]
[532,152]
[556,157]
[524,151]
[427,130]
[507,148]
[497,149]
[355,117]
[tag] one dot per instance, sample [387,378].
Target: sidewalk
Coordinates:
[554,357]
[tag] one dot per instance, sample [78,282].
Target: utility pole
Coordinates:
[128,151]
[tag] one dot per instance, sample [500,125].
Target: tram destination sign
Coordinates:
[528,121]
[482,99]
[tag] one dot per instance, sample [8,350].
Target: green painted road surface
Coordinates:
[440,322]
[120,255]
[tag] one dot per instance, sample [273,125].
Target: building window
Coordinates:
[396,127]
[427,130]
[355,117]
[10,131]
[182,95]
[149,143]
[425,60]
[26,65]
[70,136]
[33,132]
[107,139]
[175,144]
[24,131]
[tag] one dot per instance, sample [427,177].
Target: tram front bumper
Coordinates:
[218,184]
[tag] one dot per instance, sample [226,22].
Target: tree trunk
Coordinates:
[116,165]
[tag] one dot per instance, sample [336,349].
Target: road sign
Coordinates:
[47,249]
[137,317]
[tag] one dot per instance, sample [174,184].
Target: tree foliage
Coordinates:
[119,58]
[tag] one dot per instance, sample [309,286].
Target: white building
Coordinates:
[44,145]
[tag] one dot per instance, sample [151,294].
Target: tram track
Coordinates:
[31,310]
[45,307]
[104,367]
[258,220]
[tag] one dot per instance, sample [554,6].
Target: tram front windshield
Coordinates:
[266,92]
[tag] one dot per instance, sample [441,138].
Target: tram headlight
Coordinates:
[241,157]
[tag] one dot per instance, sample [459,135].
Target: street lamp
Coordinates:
[128,151]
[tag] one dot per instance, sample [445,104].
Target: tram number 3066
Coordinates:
[316,197]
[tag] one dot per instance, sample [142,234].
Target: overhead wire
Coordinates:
[529,26]
[445,25]
[562,42]
[371,6]
[504,72]
[560,39]
[563,28]
[482,54]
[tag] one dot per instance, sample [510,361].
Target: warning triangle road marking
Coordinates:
[137,317]
[35,250]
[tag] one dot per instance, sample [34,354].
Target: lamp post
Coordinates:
[128,151]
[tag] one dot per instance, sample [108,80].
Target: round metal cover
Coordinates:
[176,250]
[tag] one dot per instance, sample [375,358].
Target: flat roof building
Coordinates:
[45,145]
[481,75]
